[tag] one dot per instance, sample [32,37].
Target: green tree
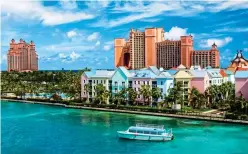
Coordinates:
[132,95]
[146,92]
[156,94]
[101,94]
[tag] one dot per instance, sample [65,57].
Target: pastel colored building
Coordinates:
[22,56]
[200,80]
[143,77]
[93,79]
[185,78]
[121,79]
[164,82]
[241,84]
[231,77]
[215,77]
[224,76]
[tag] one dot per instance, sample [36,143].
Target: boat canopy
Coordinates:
[145,130]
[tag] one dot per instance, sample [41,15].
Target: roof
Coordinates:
[125,71]
[241,74]
[172,72]
[181,66]
[103,73]
[90,73]
[164,75]
[154,69]
[214,73]
[241,69]
[228,72]
[208,67]
[222,72]
[144,74]
[198,73]
[195,67]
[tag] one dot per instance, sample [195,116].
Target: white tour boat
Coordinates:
[147,132]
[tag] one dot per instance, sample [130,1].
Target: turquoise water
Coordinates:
[33,128]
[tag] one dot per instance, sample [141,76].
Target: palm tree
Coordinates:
[197,99]
[132,95]
[156,94]
[101,93]
[146,92]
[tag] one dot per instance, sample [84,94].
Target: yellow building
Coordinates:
[185,77]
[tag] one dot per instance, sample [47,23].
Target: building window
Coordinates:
[144,82]
[123,84]
[93,81]
[138,82]
[161,82]
[115,90]
[104,81]
[84,81]
[161,90]
[148,82]
[115,83]
[96,81]
[134,82]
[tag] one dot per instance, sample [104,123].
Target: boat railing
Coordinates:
[150,126]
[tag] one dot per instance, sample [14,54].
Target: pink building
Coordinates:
[22,56]
[241,84]
[200,80]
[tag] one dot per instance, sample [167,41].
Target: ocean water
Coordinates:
[42,129]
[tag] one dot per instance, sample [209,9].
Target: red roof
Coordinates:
[223,74]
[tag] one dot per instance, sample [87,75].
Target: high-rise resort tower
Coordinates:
[206,58]
[139,51]
[22,56]
[144,49]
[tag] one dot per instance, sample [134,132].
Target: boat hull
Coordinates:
[146,137]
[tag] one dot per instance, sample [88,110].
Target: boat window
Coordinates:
[153,132]
[132,130]
[139,131]
[146,132]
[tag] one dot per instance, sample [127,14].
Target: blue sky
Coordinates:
[79,34]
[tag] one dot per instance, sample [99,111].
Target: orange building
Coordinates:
[186,50]
[22,56]
[206,58]
[238,63]
[144,49]
[139,51]
[168,53]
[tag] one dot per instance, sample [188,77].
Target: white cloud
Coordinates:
[71,33]
[35,10]
[3,59]
[97,43]
[140,10]
[107,47]
[150,20]
[69,4]
[74,55]
[219,42]
[93,36]
[175,33]
[232,30]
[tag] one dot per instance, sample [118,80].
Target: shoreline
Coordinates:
[135,112]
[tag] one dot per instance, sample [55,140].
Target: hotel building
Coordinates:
[206,58]
[22,56]
[139,51]
[144,49]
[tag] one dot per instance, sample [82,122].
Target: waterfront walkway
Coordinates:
[187,116]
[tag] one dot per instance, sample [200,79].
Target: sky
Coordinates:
[73,34]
